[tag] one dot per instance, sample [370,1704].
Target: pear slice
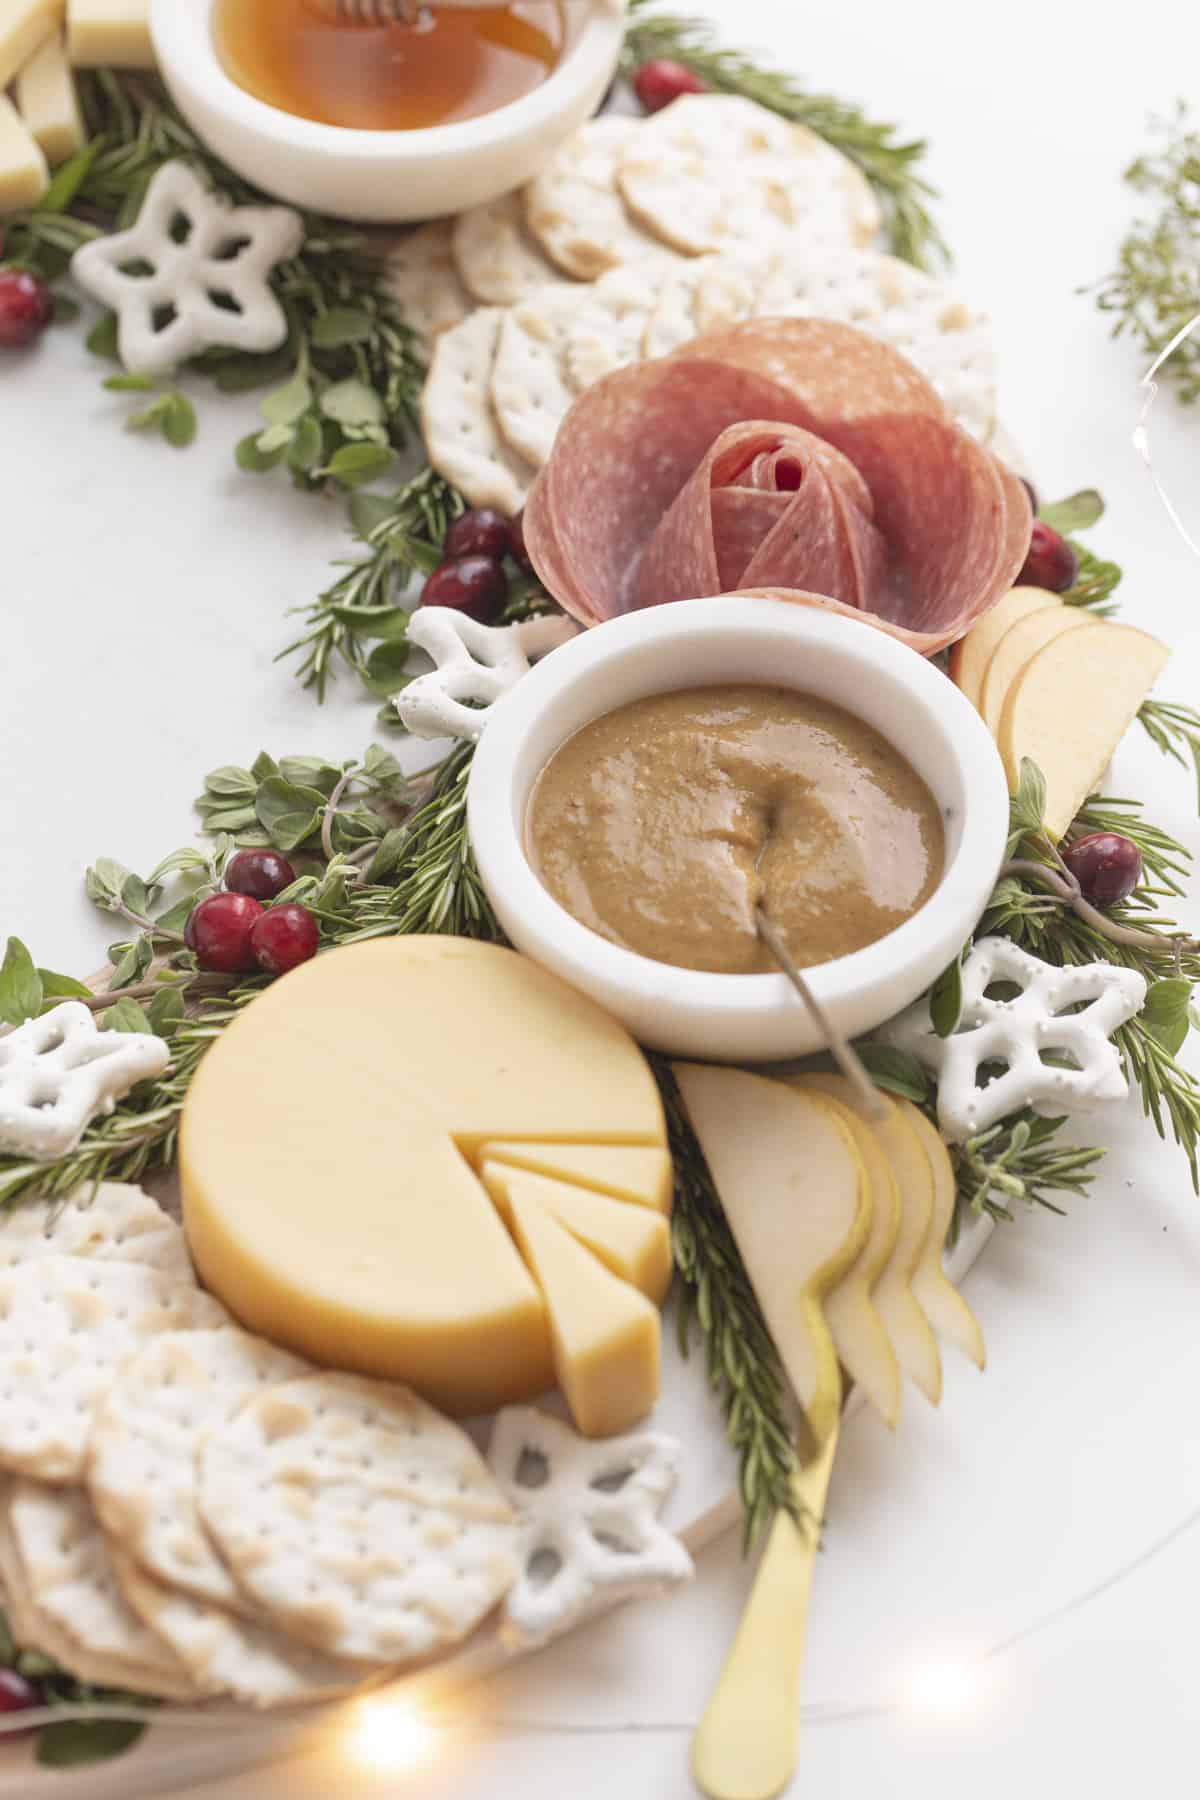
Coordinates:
[863,1345]
[940,1300]
[1019,645]
[798,1203]
[970,656]
[908,1329]
[631,1241]
[1070,707]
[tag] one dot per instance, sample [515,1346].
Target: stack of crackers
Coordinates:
[187,1511]
[638,235]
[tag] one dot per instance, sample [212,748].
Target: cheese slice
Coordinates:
[48,103]
[631,1241]
[627,1171]
[23,26]
[111,34]
[606,1336]
[24,176]
[329,1156]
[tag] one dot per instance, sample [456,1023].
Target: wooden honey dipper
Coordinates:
[390,12]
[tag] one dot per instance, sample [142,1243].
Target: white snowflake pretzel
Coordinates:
[475,663]
[191,274]
[1018,1033]
[59,1071]
[590,1518]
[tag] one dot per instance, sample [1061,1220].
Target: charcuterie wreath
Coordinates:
[750,949]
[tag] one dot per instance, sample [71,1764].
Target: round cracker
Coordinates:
[114,1221]
[575,209]
[462,436]
[420,273]
[715,170]
[142,1458]
[608,326]
[358,1519]
[256,1665]
[701,296]
[908,309]
[70,1603]
[66,1326]
[497,258]
[531,384]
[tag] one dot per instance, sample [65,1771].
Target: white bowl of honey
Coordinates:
[391,122]
[647,788]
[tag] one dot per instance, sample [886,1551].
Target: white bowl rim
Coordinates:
[498,844]
[183,41]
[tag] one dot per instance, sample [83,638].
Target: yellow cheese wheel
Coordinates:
[626,1171]
[329,1152]
[632,1241]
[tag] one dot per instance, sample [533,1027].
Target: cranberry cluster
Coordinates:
[238,931]
[471,578]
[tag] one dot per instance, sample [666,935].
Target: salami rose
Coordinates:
[785,455]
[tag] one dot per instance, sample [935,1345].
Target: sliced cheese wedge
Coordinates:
[24,25]
[798,1203]
[24,175]
[606,1336]
[863,1345]
[907,1327]
[48,103]
[1019,645]
[970,656]
[940,1300]
[630,1172]
[631,1241]
[110,34]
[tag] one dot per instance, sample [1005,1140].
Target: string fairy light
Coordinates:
[1141,433]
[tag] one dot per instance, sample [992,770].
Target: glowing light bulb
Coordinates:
[389,1735]
[942,1690]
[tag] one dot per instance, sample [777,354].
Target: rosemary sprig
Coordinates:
[888,162]
[1152,292]
[743,1365]
[1175,730]
[1016,1163]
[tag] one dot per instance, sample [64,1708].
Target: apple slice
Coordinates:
[631,1241]
[1070,707]
[859,1335]
[796,1196]
[906,1325]
[970,656]
[1019,645]
[939,1299]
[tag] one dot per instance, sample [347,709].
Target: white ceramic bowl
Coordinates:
[380,176]
[744,1018]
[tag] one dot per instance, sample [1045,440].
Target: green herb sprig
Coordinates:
[888,161]
[1152,292]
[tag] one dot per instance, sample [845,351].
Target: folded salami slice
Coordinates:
[792,456]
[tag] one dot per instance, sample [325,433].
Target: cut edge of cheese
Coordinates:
[48,103]
[24,172]
[606,1336]
[631,1241]
[639,1173]
[110,34]
[24,24]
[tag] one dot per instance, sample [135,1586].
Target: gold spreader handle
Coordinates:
[745,1745]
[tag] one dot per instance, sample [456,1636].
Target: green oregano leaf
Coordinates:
[1076,513]
[21,990]
[76,1742]
[288,403]
[1029,802]
[896,1071]
[945,1000]
[356,464]
[128,1016]
[1166,1014]
[102,338]
[62,987]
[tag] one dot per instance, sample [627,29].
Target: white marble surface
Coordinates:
[1039,1533]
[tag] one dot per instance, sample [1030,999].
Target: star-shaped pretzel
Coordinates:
[1012,1037]
[191,274]
[59,1071]
[590,1517]
[476,665]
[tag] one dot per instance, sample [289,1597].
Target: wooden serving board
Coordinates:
[176,1755]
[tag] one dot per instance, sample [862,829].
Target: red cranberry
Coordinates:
[260,873]
[283,937]
[1051,563]
[475,585]
[1106,865]
[17,1695]
[516,543]
[219,932]
[481,532]
[25,308]
[659,82]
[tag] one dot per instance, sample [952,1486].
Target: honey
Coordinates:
[447,65]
